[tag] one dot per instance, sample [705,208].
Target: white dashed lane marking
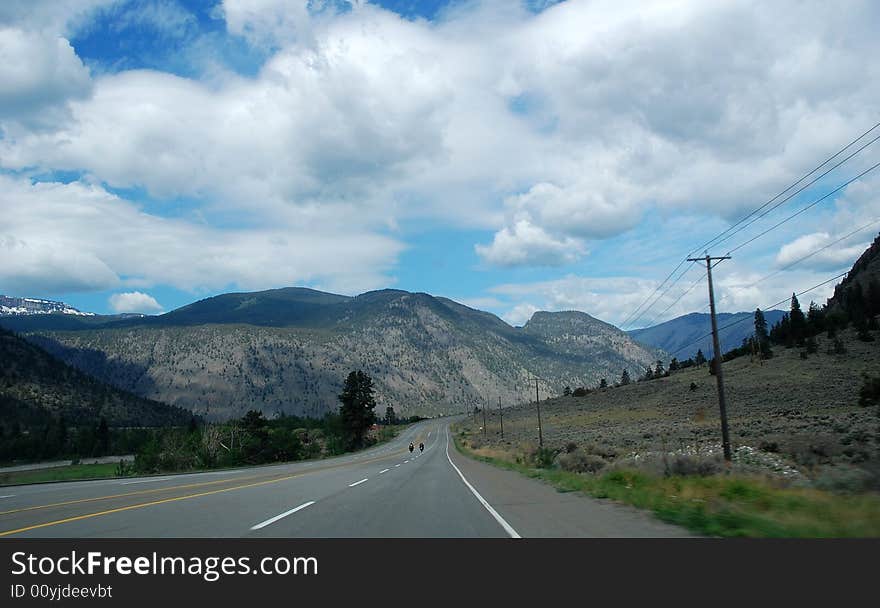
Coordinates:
[272,520]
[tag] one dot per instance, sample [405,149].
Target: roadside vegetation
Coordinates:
[250,440]
[73,472]
[728,503]
[804,418]
[254,439]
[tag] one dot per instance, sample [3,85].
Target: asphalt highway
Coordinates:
[382,492]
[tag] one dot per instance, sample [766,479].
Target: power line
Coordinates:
[631,318]
[770,307]
[716,241]
[660,297]
[810,206]
[677,300]
[651,295]
[809,255]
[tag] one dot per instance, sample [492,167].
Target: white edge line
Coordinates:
[507,527]
[9,496]
[272,520]
[397,465]
[357,483]
[380,472]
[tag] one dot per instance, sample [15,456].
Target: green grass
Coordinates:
[719,505]
[66,473]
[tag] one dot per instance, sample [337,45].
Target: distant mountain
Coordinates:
[673,335]
[289,350]
[10,305]
[34,386]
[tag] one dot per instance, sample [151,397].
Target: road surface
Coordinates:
[382,492]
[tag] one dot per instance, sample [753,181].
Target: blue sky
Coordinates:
[512,156]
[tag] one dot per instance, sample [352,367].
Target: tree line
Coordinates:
[254,439]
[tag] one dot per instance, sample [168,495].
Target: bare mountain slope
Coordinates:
[289,351]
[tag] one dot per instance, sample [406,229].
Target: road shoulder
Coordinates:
[536,509]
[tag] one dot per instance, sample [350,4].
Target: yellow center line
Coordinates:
[146,504]
[137,493]
[177,498]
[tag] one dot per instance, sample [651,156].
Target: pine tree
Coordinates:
[797,320]
[659,372]
[357,408]
[624,378]
[674,365]
[603,383]
[700,358]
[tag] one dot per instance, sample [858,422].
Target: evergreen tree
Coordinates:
[566,391]
[761,334]
[603,383]
[103,438]
[649,373]
[815,319]
[659,372]
[700,358]
[357,408]
[624,378]
[798,321]
[674,365]
[390,415]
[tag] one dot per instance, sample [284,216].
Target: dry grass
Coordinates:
[803,414]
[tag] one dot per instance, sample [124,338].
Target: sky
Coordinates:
[514,156]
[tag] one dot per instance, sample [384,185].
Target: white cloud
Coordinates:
[134,301]
[834,257]
[526,243]
[39,74]
[73,237]
[553,130]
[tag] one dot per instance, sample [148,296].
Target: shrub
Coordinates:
[541,458]
[843,479]
[811,345]
[811,450]
[869,394]
[605,451]
[579,461]
[682,465]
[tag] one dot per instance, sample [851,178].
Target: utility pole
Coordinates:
[501,416]
[538,406]
[716,343]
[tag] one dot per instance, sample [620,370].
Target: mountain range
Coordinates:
[682,336]
[10,305]
[289,350]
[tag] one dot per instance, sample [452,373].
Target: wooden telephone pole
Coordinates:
[716,343]
[501,416]
[538,406]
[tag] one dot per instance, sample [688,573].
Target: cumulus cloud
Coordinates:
[838,256]
[74,237]
[553,130]
[39,74]
[134,301]
[525,242]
